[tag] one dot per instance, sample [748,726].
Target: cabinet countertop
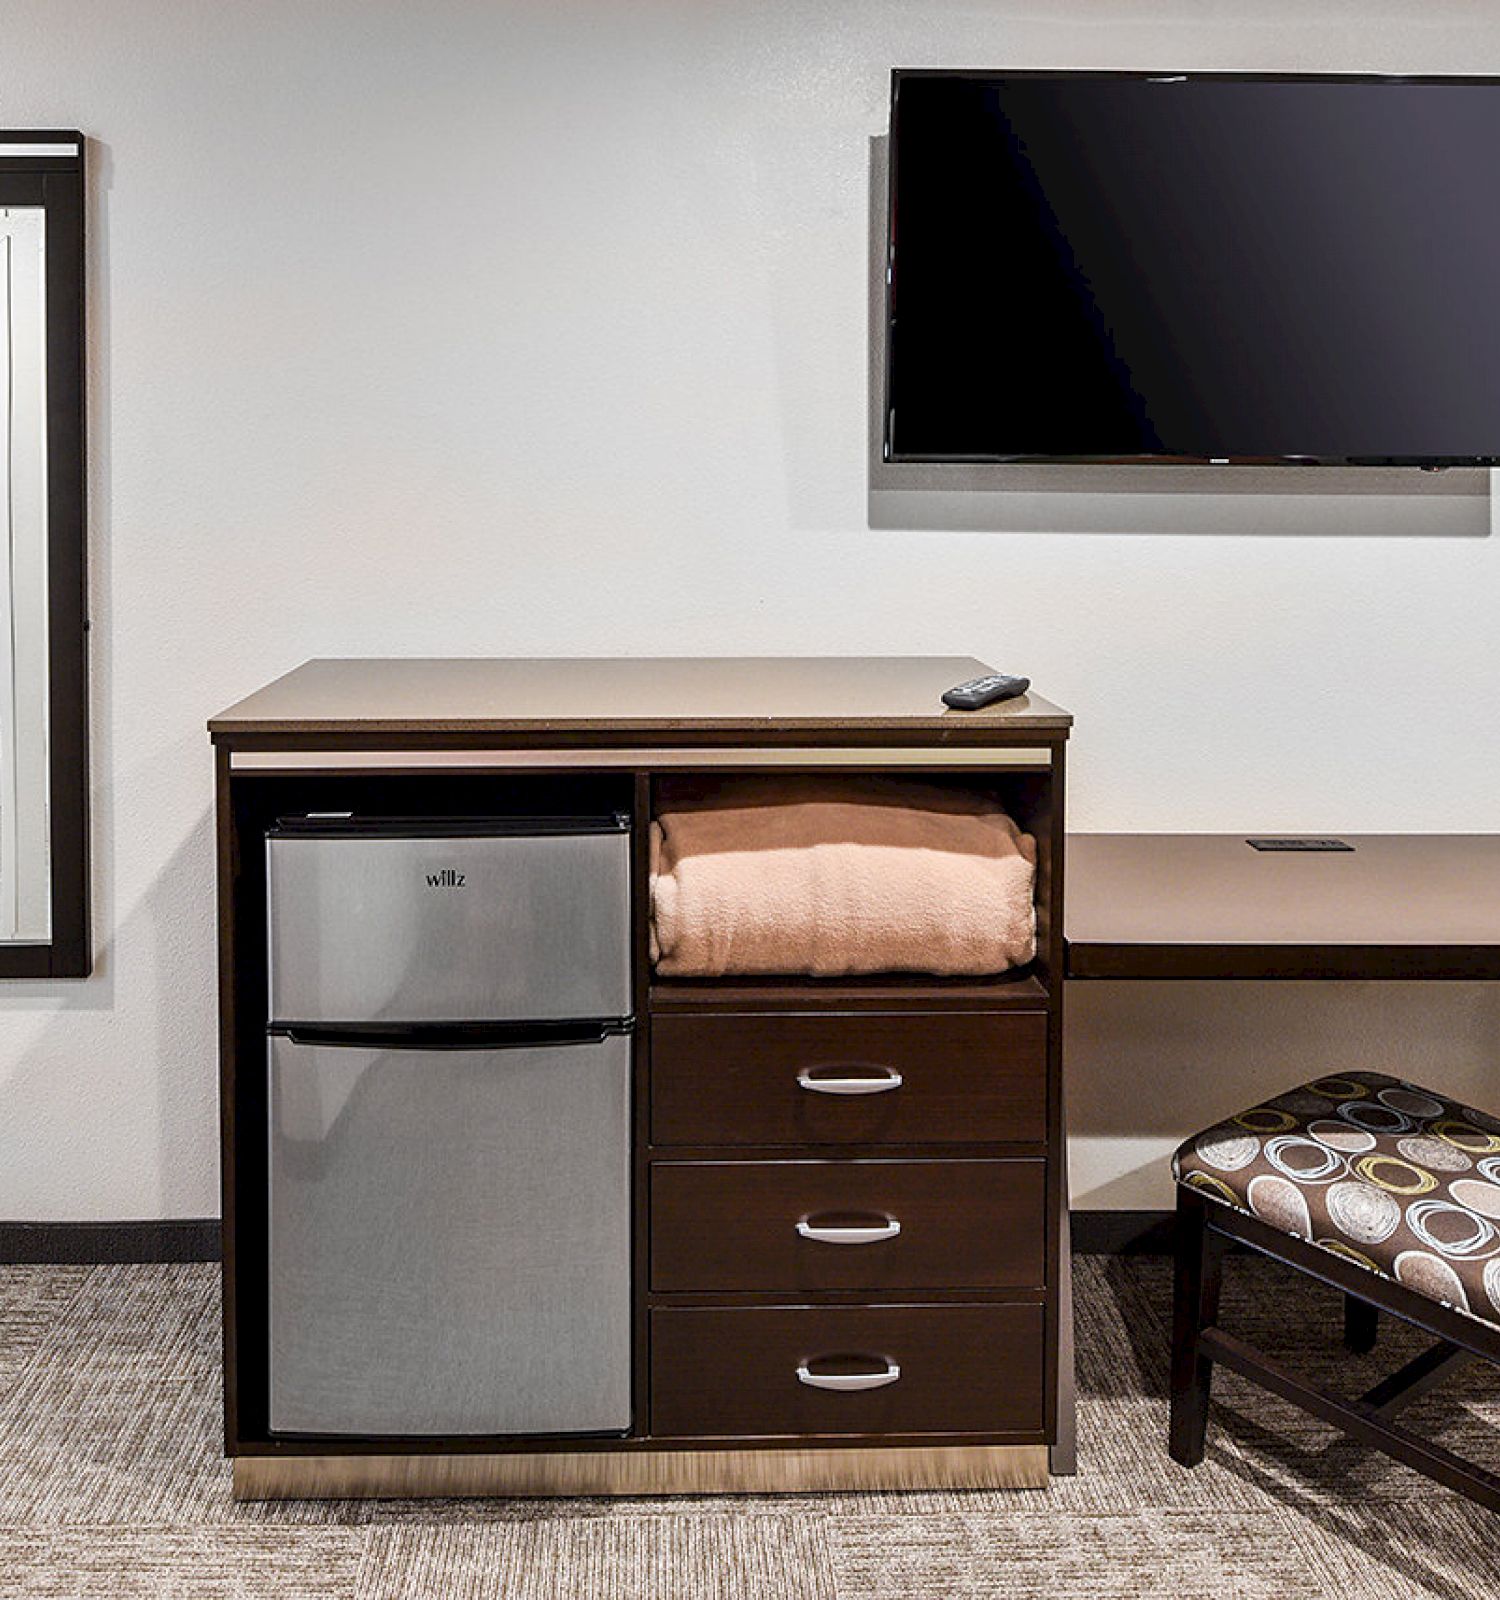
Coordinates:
[660,695]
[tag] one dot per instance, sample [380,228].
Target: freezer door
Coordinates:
[450,1239]
[375,928]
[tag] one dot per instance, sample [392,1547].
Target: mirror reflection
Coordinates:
[24,843]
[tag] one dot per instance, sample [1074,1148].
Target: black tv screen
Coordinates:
[1196,268]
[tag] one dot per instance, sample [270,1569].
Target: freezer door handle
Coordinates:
[453,1035]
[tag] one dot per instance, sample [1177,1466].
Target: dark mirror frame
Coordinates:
[47,169]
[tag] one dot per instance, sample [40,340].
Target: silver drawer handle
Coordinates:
[882,1085]
[872,1234]
[848,1380]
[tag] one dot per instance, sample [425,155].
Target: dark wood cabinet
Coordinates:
[910,1076]
[805,1226]
[817,1147]
[770,1115]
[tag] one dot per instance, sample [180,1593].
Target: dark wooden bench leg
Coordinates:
[1200,1255]
[1361,1325]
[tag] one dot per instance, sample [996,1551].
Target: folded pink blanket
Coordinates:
[832,877]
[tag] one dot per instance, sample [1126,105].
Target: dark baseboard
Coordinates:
[1095,1233]
[1122,1233]
[188,1239]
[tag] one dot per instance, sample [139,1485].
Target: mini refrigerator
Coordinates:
[448,1061]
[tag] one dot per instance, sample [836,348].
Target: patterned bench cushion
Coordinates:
[1374,1169]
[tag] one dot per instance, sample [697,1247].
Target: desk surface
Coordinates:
[811,694]
[1209,906]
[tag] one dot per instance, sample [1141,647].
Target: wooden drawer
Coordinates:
[962,1369]
[750,1078]
[734,1225]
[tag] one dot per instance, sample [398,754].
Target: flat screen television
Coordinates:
[1176,267]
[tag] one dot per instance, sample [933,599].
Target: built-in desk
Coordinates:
[1208,906]
[970,1310]
[1172,905]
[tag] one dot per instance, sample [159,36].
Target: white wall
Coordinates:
[461,328]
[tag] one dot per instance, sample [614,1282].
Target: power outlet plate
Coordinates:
[1298,844]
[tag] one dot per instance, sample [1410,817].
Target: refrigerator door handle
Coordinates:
[453,1035]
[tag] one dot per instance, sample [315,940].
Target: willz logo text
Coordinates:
[448,878]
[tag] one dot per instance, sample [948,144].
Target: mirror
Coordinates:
[43,710]
[24,909]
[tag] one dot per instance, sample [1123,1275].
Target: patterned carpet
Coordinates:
[111,1483]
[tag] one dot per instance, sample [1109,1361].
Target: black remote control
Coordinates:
[985,691]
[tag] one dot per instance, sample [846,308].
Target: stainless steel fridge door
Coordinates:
[450,1239]
[449,928]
